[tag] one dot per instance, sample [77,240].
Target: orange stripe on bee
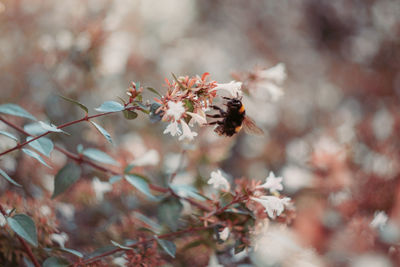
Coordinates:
[241,110]
[237,129]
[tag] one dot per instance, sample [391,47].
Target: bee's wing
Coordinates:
[250,127]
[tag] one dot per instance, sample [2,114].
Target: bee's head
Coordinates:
[234,102]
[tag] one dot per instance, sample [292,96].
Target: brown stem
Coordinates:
[169,235]
[86,118]
[80,160]
[222,209]
[23,242]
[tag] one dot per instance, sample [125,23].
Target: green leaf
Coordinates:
[99,156]
[114,179]
[128,168]
[16,110]
[189,105]
[167,246]
[65,177]
[83,107]
[55,262]
[140,184]
[8,178]
[24,226]
[102,131]
[44,145]
[187,191]
[140,104]
[225,199]
[110,106]
[79,148]
[28,263]
[169,212]
[72,251]
[129,114]
[178,82]
[155,117]
[100,251]
[154,91]
[51,127]
[120,246]
[154,226]
[196,243]
[239,246]
[9,135]
[34,129]
[36,156]
[240,212]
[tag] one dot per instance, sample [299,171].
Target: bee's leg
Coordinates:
[215,122]
[227,98]
[219,109]
[215,116]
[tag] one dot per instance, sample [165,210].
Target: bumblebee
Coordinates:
[233,119]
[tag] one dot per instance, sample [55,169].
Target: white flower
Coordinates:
[380,219]
[100,188]
[66,210]
[59,238]
[151,157]
[267,87]
[273,91]
[277,245]
[175,110]
[187,133]
[120,261]
[233,87]
[274,184]
[274,206]
[224,234]
[213,262]
[276,73]
[199,117]
[173,129]
[45,210]
[2,220]
[219,181]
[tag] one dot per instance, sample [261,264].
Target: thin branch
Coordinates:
[222,209]
[81,160]
[164,236]
[23,242]
[86,118]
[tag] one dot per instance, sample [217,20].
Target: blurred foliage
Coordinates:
[333,136]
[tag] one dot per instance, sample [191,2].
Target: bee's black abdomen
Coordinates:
[232,118]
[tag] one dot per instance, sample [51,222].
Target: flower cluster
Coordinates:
[186,101]
[273,204]
[265,84]
[134,91]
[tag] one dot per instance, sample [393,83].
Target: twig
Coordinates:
[81,160]
[222,209]
[169,235]
[23,242]
[86,118]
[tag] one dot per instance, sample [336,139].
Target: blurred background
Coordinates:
[333,136]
